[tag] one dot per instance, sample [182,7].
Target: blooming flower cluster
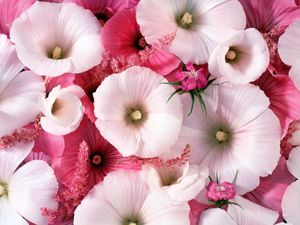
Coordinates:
[147,112]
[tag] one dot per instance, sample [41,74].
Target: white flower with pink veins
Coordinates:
[55,38]
[19,92]
[123,198]
[26,190]
[197,25]
[237,134]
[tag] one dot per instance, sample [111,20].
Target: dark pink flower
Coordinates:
[121,36]
[103,157]
[216,192]
[284,98]
[192,78]
[10,10]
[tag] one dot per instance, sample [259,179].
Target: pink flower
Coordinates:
[192,78]
[284,98]
[10,10]
[271,23]
[224,191]
[122,37]
[105,9]
[103,157]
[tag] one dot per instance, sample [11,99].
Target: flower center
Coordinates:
[221,136]
[3,189]
[136,115]
[57,53]
[96,159]
[231,55]
[186,19]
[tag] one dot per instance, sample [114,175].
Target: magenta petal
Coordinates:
[189,84]
[162,62]
[284,98]
[120,33]
[181,75]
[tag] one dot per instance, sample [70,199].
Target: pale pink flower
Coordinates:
[19,92]
[237,133]
[245,213]
[198,25]
[137,119]
[291,199]
[62,110]
[123,198]
[179,183]
[24,191]
[241,59]
[271,23]
[9,11]
[288,48]
[51,40]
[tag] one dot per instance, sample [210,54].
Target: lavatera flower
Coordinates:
[179,183]
[25,191]
[51,39]
[242,58]
[62,109]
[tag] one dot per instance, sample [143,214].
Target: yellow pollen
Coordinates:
[3,189]
[136,115]
[57,53]
[186,19]
[231,55]
[221,136]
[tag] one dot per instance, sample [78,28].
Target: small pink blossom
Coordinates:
[192,78]
[224,191]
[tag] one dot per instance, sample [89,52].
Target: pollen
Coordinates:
[221,136]
[3,189]
[231,55]
[57,53]
[136,115]
[186,19]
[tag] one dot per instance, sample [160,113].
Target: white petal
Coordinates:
[253,58]
[11,158]
[289,44]
[138,87]
[294,74]
[249,213]
[8,215]
[32,188]
[293,162]
[34,43]
[291,203]
[216,216]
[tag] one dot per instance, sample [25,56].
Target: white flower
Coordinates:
[133,113]
[180,183]
[291,199]
[242,58]
[19,92]
[123,198]
[198,25]
[62,109]
[25,191]
[238,135]
[289,50]
[246,213]
[55,38]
